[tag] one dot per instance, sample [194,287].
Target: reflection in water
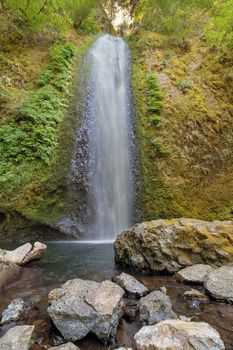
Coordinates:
[96,262]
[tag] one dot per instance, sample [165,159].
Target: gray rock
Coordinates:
[131,285]
[219,283]
[156,307]
[170,245]
[124,349]
[178,335]
[193,274]
[80,307]
[8,273]
[23,254]
[67,346]
[17,338]
[16,310]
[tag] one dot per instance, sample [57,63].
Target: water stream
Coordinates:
[108,109]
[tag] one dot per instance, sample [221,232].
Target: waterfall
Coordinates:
[108,110]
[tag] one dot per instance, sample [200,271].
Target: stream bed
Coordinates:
[68,260]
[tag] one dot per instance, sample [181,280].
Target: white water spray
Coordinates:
[108,109]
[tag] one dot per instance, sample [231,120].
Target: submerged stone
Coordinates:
[80,307]
[8,273]
[67,346]
[18,310]
[170,245]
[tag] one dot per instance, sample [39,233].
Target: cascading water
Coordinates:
[109,138]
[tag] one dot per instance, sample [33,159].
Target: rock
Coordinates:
[163,290]
[19,310]
[67,346]
[219,283]
[80,307]
[24,254]
[17,338]
[170,245]
[178,335]
[156,307]
[124,349]
[193,274]
[8,273]
[131,285]
[131,310]
[195,294]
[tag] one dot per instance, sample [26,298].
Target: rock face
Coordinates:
[131,285]
[170,245]
[178,335]
[193,274]
[80,307]
[17,338]
[156,307]
[23,254]
[67,346]
[8,273]
[219,283]
[18,310]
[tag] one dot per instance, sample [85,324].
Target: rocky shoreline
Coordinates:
[82,307]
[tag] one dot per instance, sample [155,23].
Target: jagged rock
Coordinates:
[131,285]
[19,310]
[193,274]
[170,245]
[156,307]
[195,294]
[23,254]
[17,338]
[80,307]
[219,283]
[8,273]
[178,335]
[67,346]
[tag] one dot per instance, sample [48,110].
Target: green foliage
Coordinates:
[31,136]
[219,30]
[173,17]
[185,84]
[155,96]
[81,10]
[158,149]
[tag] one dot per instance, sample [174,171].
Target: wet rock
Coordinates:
[67,346]
[178,335]
[170,245]
[8,273]
[17,338]
[124,349]
[131,311]
[156,307]
[80,307]
[219,283]
[42,326]
[193,274]
[19,310]
[23,254]
[131,285]
[195,294]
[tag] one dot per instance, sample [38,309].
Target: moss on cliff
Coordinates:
[185,149]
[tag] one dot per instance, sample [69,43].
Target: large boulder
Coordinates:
[193,274]
[178,335]
[17,338]
[156,307]
[8,273]
[24,254]
[170,245]
[80,307]
[219,283]
[131,285]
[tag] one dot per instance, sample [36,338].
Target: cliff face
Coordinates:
[184,127]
